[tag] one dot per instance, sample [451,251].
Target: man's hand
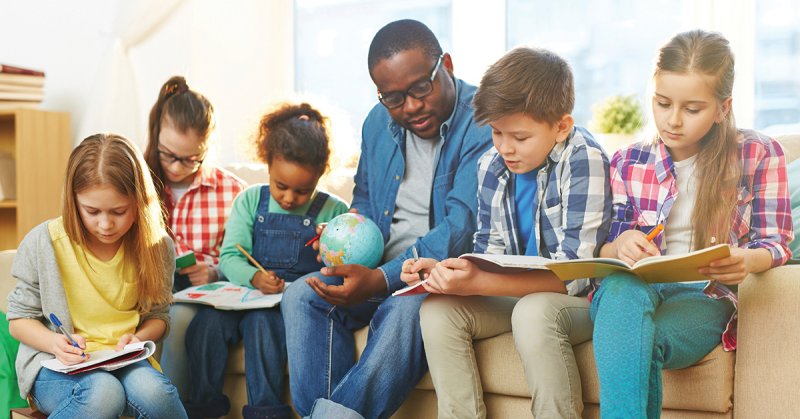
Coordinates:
[200,273]
[453,276]
[360,283]
[411,269]
[268,283]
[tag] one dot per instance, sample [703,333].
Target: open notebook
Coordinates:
[107,359]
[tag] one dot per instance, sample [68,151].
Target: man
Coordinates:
[417,180]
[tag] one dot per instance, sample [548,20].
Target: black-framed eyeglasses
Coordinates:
[417,90]
[169,157]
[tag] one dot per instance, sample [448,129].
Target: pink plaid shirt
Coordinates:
[197,221]
[643,191]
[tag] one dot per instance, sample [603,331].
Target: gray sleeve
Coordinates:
[161,312]
[25,300]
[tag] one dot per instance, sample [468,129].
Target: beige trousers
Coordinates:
[545,327]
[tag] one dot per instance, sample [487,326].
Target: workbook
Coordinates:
[226,296]
[107,359]
[653,269]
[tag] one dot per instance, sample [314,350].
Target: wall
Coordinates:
[238,54]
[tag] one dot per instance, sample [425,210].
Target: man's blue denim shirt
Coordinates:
[454,202]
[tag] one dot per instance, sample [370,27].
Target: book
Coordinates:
[106,359]
[21,79]
[185,260]
[223,295]
[411,290]
[10,69]
[26,412]
[23,96]
[653,269]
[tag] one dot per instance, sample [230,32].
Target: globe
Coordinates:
[351,239]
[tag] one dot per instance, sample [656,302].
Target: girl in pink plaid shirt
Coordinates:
[197,199]
[707,182]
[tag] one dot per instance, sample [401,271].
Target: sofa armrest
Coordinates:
[768,354]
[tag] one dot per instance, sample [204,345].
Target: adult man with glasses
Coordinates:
[417,180]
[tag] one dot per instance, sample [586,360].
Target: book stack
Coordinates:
[20,87]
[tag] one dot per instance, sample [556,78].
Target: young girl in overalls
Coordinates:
[272,223]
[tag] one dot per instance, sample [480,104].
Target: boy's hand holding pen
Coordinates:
[425,265]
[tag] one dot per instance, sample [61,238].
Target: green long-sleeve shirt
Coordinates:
[239,229]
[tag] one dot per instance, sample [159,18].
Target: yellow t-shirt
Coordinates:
[101,295]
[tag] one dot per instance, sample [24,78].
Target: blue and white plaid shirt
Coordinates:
[573,204]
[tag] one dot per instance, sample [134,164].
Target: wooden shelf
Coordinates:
[40,142]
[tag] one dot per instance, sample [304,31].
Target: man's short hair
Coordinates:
[401,35]
[533,81]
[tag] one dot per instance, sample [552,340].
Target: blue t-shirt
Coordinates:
[525,196]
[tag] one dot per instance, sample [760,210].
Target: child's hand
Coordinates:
[66,353]
[452,276]
[731,270]
[268,283]
[126,339]
[410,269]
[632,246]
[200,273]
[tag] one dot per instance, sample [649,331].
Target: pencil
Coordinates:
[313,239]
[252,260]
[416,258]
[654,232]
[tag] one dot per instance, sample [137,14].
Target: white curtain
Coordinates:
[114,105]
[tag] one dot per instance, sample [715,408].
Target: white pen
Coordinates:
[416,258]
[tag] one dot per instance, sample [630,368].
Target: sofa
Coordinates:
[757,381]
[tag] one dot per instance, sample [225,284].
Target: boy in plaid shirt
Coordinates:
[543,190]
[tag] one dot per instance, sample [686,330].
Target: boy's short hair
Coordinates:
[534,81]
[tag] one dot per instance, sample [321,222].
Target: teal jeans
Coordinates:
[639,329]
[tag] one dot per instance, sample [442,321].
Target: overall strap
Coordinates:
[316,206]
[263,201]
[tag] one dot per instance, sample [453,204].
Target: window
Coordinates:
[332,41]
[610,44]
[777,64]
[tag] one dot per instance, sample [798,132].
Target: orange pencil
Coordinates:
[251,259]
[654,232]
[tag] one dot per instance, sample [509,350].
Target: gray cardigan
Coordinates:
[40,291]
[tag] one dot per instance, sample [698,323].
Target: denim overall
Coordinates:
[279,246]
[279,239]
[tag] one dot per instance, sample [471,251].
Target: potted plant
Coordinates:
[617,120]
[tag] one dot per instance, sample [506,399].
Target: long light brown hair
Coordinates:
[110,159]
[718,165]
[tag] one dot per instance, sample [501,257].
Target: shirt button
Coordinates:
[386,212]
[396,177]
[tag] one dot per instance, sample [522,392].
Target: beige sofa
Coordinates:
[760,380]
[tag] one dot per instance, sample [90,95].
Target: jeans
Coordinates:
[213,331]
[174,360]
[639,329]
[322,353]
[137,390]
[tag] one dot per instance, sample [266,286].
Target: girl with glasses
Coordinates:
[197,199]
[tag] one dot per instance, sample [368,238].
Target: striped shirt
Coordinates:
[644,190]
[197,220]
[572,204]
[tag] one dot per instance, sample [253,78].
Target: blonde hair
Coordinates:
[718,164]
[110,159]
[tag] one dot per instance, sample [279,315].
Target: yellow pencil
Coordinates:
[258,265]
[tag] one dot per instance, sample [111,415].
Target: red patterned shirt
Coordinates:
[643,191]
[197,220]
